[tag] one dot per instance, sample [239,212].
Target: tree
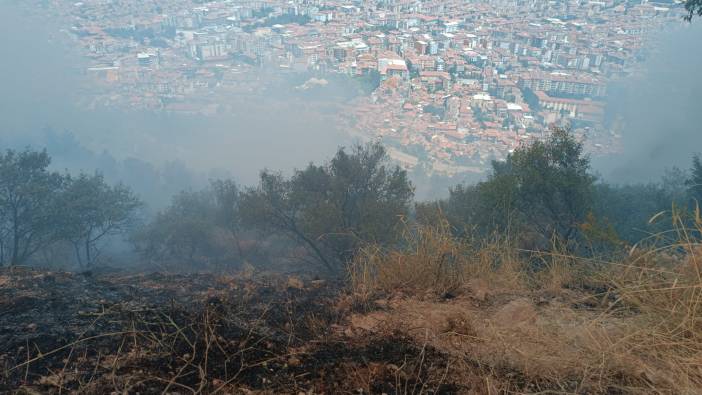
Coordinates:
[543,188]
[28,204]
[227,199]
[183,231]
[460,210]
[553,184]
[675,184]
[370,81]
[628,208]
[496,206]
[93,210]
[531,99]
[693,7]
[272,206]
[694,183]
[196,228]
[331,209]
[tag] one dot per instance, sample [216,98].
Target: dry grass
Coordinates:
[630,326]
[433,261]
[661,286]
[442,316]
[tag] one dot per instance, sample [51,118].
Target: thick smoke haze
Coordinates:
[660,109]
[37,75]
[41,80]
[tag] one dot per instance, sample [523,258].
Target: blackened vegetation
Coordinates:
[154,333]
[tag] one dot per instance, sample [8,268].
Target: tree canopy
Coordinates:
[544,187]
[28,204]
[93,210]
[198,227]
[332,208]
[693,7]
[694,183]
[40,207]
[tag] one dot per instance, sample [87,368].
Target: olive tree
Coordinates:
[93,210]
[197,227]
[29,209]
[544,187]
[331,209]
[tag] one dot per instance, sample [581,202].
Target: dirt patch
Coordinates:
[517,312]
[520,342]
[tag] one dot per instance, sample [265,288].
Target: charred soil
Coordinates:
[158,333]
[153,333]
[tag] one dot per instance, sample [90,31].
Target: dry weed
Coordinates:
[433,261]
[584,326]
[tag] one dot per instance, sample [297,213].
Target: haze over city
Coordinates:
[222,87]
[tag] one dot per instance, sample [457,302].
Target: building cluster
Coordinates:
[456,83]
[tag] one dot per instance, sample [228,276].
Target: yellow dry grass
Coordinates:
[635,328]
[433,261]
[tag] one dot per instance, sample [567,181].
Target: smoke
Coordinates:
[156,153]
[159,154]
[37,75]
[660,108]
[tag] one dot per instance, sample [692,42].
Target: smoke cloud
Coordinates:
[660,108]
[41,79]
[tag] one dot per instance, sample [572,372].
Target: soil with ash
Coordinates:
[202,333]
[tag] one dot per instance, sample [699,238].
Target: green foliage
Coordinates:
[465,210]
[284,19]
[369,82]
[197,228]
[181,231]
[543,188]
[333,208]
[600,235]
[39,207]
[461,210]
[628,208]
[29,207]
[435,110]
[92,210]
[262,12]
[227,195]
[541,192]
[531,99]
[693,7]
[142,34]
[551,183]
[694,183]
[675,184]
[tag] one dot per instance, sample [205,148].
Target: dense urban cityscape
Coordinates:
[446,85]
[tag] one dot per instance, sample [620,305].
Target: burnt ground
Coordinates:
[200,333]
